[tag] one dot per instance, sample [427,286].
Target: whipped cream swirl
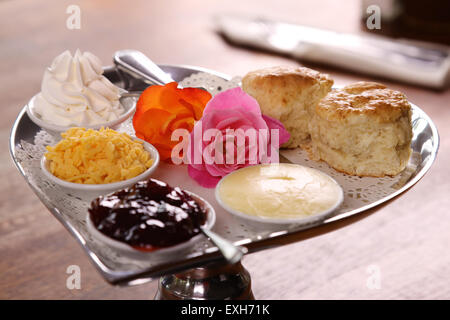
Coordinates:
[74,92]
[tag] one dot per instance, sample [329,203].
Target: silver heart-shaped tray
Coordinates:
[362,196]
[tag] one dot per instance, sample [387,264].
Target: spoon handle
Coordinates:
[229,251]
[138,64]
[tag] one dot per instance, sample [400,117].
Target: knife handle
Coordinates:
[377,61]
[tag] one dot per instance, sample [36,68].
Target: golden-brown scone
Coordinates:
[362,129]
[288,95]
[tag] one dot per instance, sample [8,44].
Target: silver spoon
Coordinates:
[230,252]
[139,65]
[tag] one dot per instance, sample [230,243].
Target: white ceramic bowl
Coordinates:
[127,102]
[129,250]
[257,221]
[91,191]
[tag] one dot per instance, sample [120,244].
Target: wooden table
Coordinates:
[405,244]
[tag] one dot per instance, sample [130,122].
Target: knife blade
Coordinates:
[374,55]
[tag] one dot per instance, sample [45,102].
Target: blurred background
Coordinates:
[405,240]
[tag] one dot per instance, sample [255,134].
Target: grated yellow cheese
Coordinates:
[97,157]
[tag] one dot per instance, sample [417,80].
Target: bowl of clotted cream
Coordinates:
[279,193]
[75,93]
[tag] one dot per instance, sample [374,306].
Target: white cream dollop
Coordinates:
[74,92]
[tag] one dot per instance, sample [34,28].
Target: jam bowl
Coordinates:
[90,191]
[161,251]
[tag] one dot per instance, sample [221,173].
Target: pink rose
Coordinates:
[233,133]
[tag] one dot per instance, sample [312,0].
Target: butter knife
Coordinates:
[374,55]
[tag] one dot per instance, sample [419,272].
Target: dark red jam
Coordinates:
[148,215]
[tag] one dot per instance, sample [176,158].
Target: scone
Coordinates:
[288,95]
[362,129]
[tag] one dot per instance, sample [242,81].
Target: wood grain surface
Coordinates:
[405,243]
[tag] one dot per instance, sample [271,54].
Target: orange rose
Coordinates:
[162,109]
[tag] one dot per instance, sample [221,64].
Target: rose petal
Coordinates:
[235,97]
[162,109]
[215,170]
[148,99]
[203,178]
[275,124]
[197,99]
[232,109]
[196,147]
[234,121]
[152,122]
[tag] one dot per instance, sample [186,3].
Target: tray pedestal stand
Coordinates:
[217,281]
